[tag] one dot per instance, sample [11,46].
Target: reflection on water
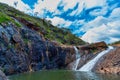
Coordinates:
[86,76]
[95,76]
[64,75]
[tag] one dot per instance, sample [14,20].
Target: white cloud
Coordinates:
[69,4]
[104,29]
[88,4]
[94,34]
[94,3]
[20,6]
[48,5]
[99,12]
[100,20]
[115,13]
[60,21]
[79,9]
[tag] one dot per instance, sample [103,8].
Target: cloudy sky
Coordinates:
[91,20]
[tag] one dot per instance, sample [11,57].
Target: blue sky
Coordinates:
[91,20]
[30,2]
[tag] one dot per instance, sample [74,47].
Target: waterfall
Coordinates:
[77,58]
[89,66]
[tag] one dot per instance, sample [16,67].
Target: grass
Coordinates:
[4,18]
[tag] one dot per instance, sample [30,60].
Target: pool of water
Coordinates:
[63,75]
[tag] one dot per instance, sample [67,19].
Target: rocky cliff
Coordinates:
[23,49]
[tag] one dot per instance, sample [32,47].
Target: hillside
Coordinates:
[42,26]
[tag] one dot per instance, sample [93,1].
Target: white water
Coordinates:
[77,58]
[89,66]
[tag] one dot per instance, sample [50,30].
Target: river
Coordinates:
[63,75]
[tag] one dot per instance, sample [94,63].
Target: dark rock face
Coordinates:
[110,63]
[23,49]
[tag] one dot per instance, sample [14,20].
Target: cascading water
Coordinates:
[89,66]
[77,58]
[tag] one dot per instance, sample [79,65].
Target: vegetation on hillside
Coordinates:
[44,27]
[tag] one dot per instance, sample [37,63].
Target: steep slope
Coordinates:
[42,26]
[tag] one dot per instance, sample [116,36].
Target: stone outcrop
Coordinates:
[110,63]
